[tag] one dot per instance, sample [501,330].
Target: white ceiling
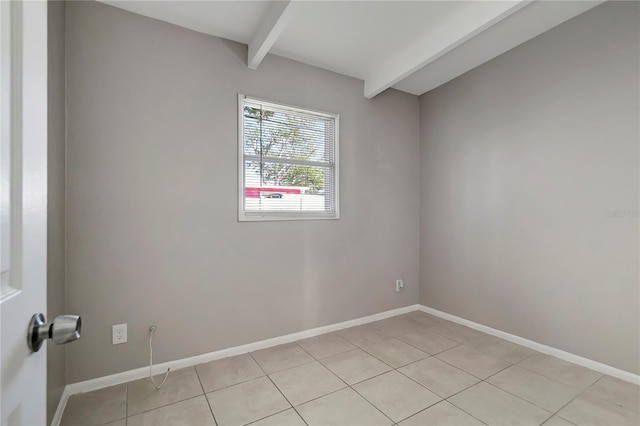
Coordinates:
[413,46]
[352,37]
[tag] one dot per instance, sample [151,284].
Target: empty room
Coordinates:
[227,213]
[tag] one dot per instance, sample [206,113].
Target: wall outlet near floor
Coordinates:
[119,334]
[399,285]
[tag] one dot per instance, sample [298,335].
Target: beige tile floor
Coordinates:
[413,369]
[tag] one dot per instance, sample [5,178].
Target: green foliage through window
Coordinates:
[277,135]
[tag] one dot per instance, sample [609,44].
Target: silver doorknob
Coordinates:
[63,329]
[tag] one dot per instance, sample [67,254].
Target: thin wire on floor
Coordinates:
[152,330]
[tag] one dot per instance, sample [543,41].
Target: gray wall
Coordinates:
[520,158]
[152,230]
[56,200]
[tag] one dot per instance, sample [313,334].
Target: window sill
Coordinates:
[269,217]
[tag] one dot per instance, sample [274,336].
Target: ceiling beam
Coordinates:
[466,24]
[275,21]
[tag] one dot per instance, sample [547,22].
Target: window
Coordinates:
[288,162]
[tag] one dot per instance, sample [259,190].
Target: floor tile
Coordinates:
[504,350]
[538,390]
[557,421]
[97,407]
[424,319]
[458,332]
[589,410]
[473,361]
[442,414]
[121,422]
[281,357]
[560,370]
[617,392]
[194,411]
[396,395]
[428,341]
[306,382]
[342,408]
[439,377]
[397,326]
[143,396]
[363,335]
[395,353]
[326,345]
[230,371]
[246,402]
[355,366]
[285,418]
[494,406]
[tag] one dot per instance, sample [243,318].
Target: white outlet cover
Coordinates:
[399,285]
[119,334]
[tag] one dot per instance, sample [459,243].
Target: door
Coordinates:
[23,195]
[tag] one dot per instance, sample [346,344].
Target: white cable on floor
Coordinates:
[152,329]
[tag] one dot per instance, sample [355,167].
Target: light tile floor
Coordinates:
[413,369]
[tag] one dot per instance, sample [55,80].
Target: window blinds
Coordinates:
[289,162]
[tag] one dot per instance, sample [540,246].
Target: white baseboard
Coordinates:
[139,373]
[567,356]
[57,417]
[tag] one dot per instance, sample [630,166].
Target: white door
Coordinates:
[23,160]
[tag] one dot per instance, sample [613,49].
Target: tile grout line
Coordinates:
[276,386]
[398,340]
[393,422]
[323,335]
[369,378]
[482,381]
[271,415]
[553,378]
[247,380]
[397,369]
[605,400]
[473,375]
[450,322]
[560,409]
[322,396]
[452,347]
[574,398]
[347,386]
[205,396]
[439,402]
[442,398]
[582,391]
[284,396]
[163,406]
[497,387]
[553,413]
[324,366]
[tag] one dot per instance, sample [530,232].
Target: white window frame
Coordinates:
[250,216]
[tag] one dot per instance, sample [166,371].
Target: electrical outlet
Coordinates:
[119,334]
[399,285]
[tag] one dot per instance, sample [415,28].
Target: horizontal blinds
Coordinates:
[289,159]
